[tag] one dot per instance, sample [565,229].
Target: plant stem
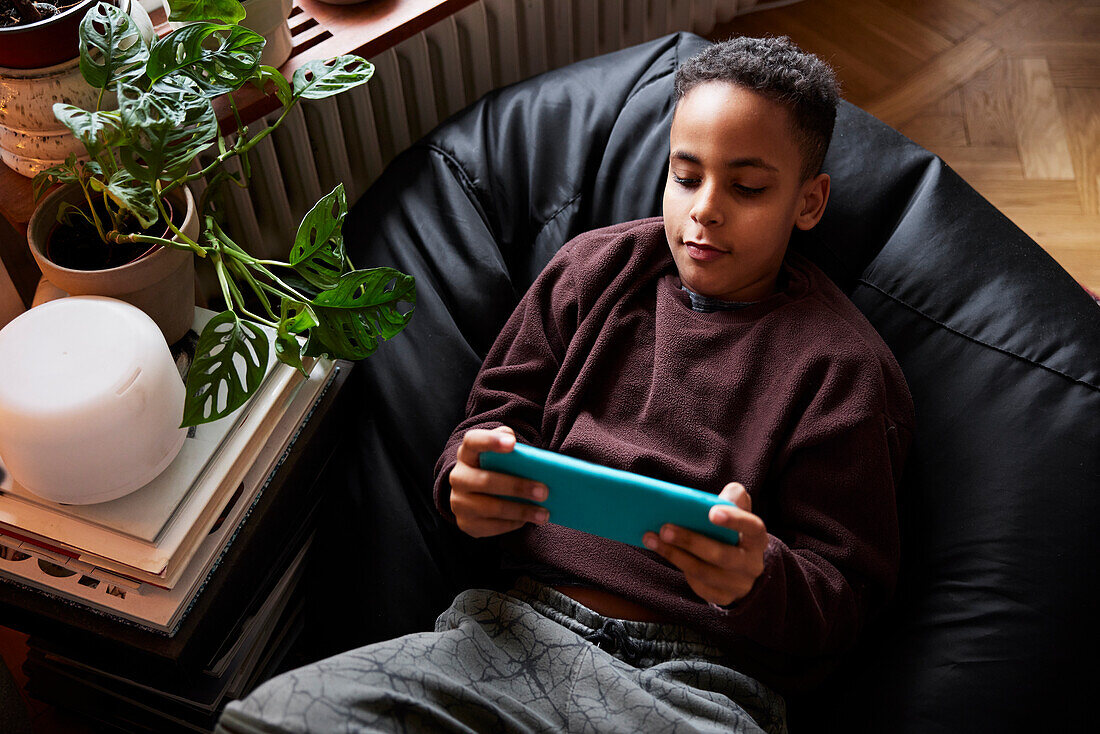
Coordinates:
[114,216]
[237,149]
[242,133]
[271,288]
[289,291]
[219,268]
[232,293]
[151,240]
[172,226]
[95,217]
[242,272]
[234,250]
[241,129]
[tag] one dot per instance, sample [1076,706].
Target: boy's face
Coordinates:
[735,191]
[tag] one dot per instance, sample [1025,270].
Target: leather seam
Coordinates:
[975,340]
[568,203]
[655,79]
[465,179]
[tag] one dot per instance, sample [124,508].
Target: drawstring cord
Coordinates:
[613,634]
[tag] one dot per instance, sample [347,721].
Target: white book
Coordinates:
[145,605]
[176,509]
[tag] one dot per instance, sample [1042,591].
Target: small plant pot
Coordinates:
[48,42]
[31,138]
[161,282]
[269,19]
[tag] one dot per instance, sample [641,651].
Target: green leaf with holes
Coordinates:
[323,78]
[219,58]
[166,130]
[219,11]
[111,47]
[134,196]
[283,92]
[176,83]
[230,363]
[95,130]
[363,308]
[62,173]
[318,251]
[294,318]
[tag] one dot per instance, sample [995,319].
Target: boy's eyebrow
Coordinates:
[754,162]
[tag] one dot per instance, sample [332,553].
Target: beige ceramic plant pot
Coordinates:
[269,18]
[161,283]
[31,138]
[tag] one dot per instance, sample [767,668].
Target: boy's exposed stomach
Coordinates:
[611,605]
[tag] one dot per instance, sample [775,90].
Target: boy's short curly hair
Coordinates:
[782,72]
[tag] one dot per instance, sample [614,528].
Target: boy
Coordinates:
[694,349]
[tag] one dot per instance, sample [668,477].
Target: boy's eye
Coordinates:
[748,190]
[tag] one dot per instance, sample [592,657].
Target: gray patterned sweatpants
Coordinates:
[532,660]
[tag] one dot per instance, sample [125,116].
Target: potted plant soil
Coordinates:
[40,65]
[125,212]
[37,34]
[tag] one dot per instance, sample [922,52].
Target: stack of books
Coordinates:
[172,600]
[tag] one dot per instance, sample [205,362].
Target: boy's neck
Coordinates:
[709,304]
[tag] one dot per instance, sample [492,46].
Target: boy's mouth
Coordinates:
[702,252]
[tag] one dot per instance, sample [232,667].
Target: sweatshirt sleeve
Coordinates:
[833,553]
[519,371]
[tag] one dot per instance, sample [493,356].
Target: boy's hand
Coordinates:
[718,572]
[478,496]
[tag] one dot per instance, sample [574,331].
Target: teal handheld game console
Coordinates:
[611,503]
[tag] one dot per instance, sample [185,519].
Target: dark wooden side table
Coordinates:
[276,528]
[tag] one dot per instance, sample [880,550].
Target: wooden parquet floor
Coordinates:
[1007,92]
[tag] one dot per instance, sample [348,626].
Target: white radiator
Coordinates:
[422,81]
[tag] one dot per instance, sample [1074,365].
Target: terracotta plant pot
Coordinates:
[31,138]
[161,283]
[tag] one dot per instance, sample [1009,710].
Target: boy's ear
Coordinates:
[815,194]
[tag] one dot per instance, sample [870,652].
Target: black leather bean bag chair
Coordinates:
[997,601]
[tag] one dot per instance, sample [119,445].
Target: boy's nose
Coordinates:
[705,210]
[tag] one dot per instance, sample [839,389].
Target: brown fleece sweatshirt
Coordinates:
[796,397]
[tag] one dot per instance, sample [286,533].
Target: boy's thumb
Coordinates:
[738,495]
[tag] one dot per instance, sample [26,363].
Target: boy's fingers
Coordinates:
[712,583]
[691,565]
[467,479]
[490,507]
[708,550]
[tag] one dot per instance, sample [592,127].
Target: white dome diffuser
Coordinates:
[90,400]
